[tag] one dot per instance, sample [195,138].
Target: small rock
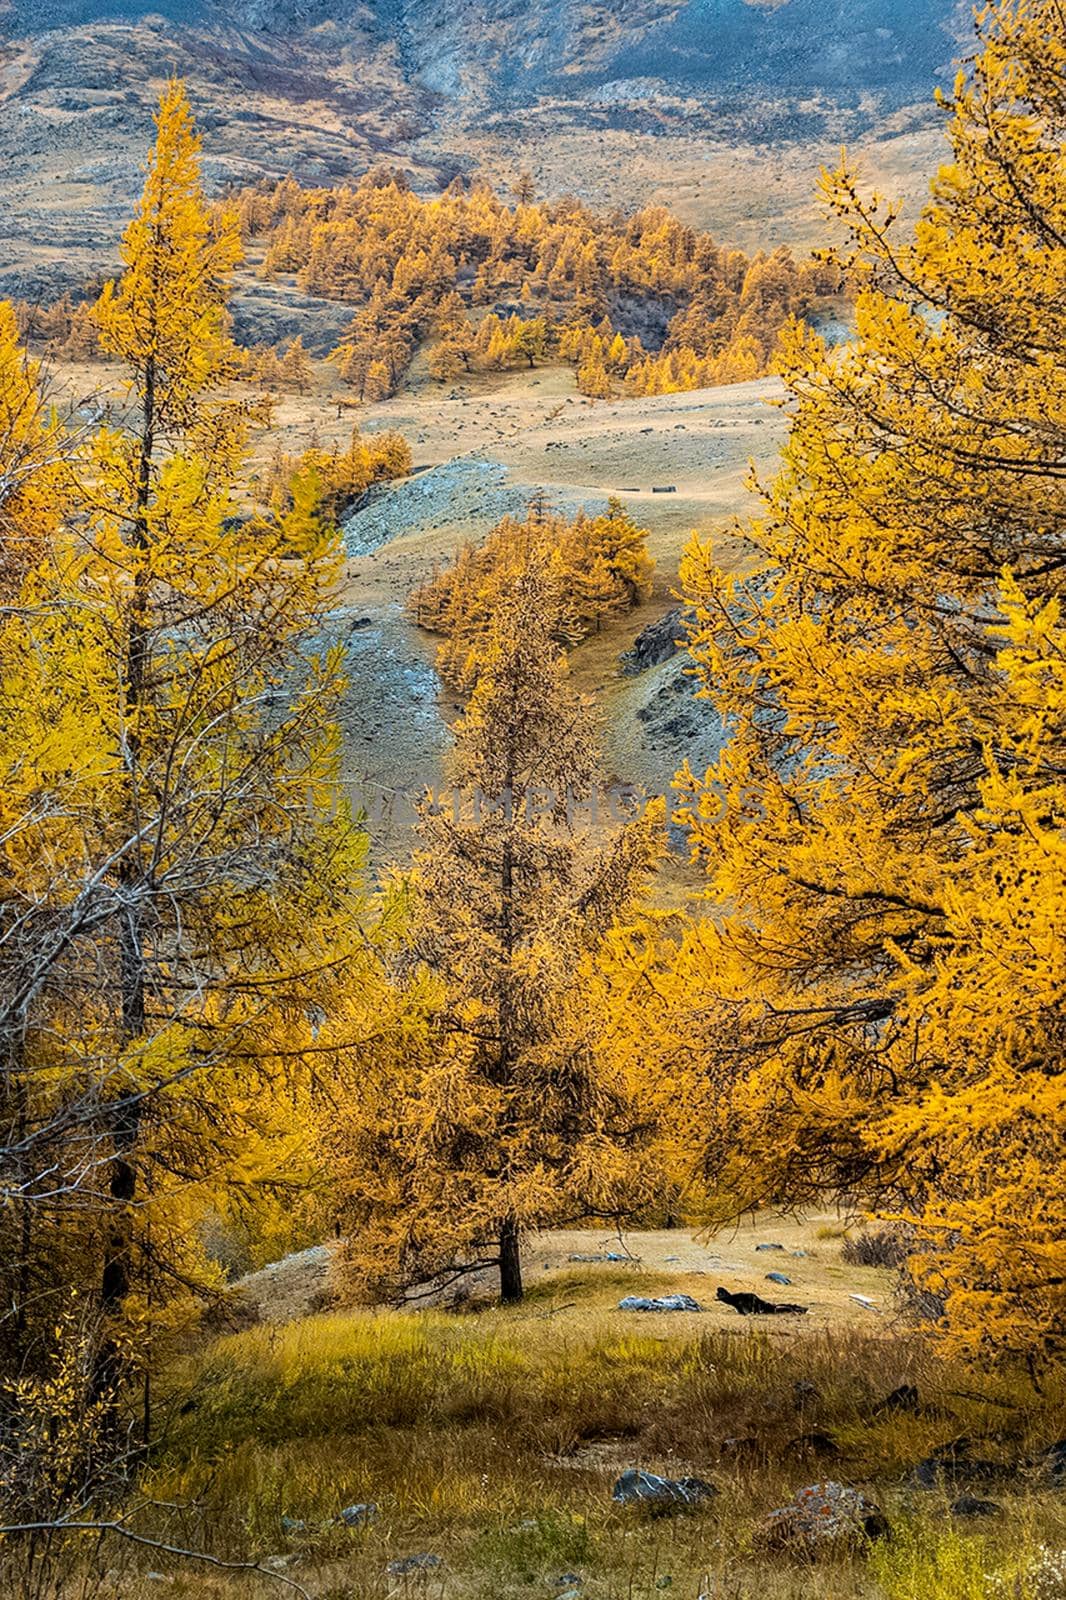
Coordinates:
[639,1488]
[970,1505]
[905,1398]
[824,1515]
[778,1277]
[866,1302]
[569,1580]
[805,1393]
[816,1444]
[358,1516]
[293,1525]
[404,1565]
[769,1247]
[668,1302]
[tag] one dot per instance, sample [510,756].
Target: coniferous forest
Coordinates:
[640,1168]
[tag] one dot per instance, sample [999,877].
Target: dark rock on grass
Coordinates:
[660,1495]
[657,643]
[823,1517]
[404,1566]
[814,1444]
[805,1393]
[905,1398]
[952,1463]
[668,1302]
[769,1247]
[970,1505]
[750,1305]
[779,1277]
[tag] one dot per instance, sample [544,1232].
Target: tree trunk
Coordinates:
[116,1274]
[510,1263]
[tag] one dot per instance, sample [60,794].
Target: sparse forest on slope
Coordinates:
[642,303]
[639,305]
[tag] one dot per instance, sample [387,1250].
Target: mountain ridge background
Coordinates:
[722,109]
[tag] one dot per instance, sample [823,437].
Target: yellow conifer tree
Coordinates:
[880,1010]
[505,1119]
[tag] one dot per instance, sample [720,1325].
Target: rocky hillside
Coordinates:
[505,49]
[722,108]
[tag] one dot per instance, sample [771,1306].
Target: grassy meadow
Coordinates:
[490,1438]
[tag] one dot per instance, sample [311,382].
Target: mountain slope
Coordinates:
[722,108]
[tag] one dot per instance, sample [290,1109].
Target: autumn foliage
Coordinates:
[599,565]
[505,1117]
[878,1013]
[642,302]
[179,892]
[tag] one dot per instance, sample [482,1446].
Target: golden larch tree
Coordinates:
[503,1119]
[879,1012]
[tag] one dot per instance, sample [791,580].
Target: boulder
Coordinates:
[358,1516]
[404,1566]
[667,1302]
[660,1495]
[657,643]
[824,1516]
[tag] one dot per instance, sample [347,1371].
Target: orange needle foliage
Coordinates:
[504,1118]
[878,1011]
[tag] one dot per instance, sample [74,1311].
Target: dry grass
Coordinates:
[491,1439]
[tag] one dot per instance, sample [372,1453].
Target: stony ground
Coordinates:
[661,1262]
[482,448]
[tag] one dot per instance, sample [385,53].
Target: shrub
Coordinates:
[877,1247]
